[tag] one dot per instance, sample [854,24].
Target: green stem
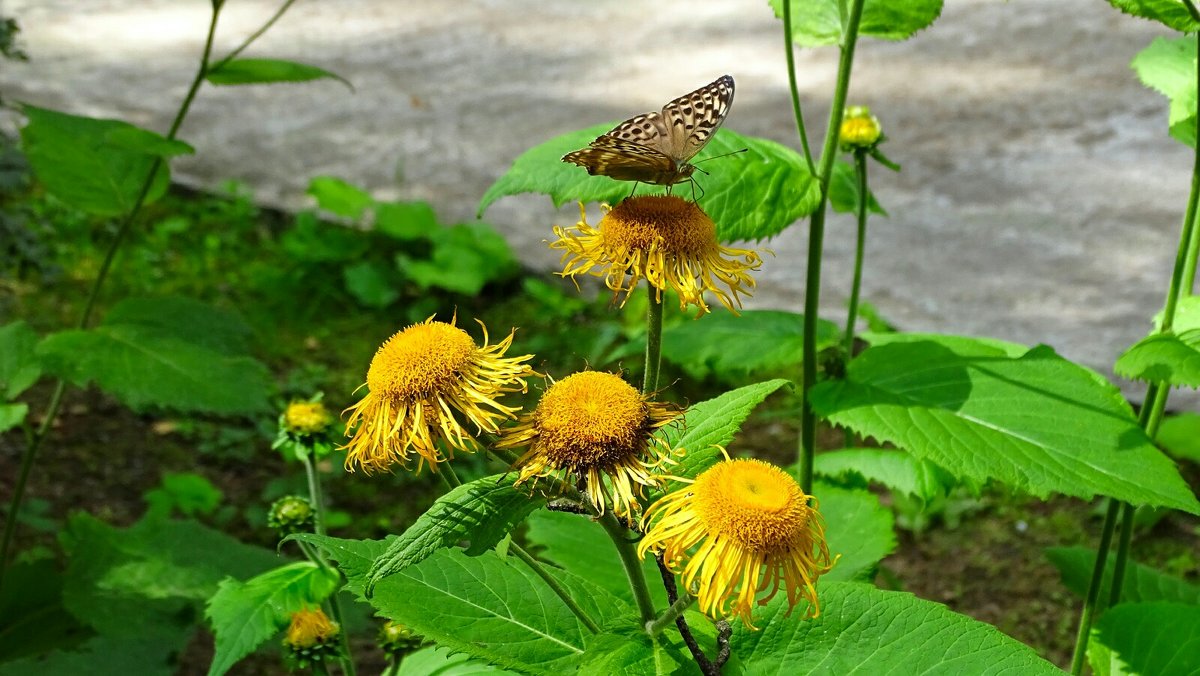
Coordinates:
[654,323]
[335,605]
[1122,558]
[860,172]
[816,239]
[33,445]
[253,36]
[393,666]
[632,564]
[790,51]
[656,626]
[1093,594]
[555,586]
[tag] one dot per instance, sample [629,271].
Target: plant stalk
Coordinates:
[816,239]
[1093,594]
[790,52]
[673,612]
[633,566]
[654,323]
[860,173]
[335,606]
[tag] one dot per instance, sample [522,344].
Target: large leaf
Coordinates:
[821,22]
[1143,584]
[268,71]
[339,197]
[18,365]
[496,609]
[481,512]
[1172,13]
[1038,422]
[1153,638]
[32,617]
[354,557]
[843,191]
[439,661]
[1180,436]
[465,257]
[97,166]
[714,423]
[245,614]
[1165,358]
[634,652]
[728,345]
[166,352]
[750,195]
[899,471]
[156,655]
[1169,66]
[857,528]
[864,630]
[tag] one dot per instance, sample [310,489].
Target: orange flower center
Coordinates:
[637,222]
[591,419]
[421,360]
[752,502]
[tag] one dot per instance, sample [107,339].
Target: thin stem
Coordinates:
[654,322]
[253,36]
[860,172]
[335,606]
[790,51]
[555,586]
[34,444]
[816,239]
[633,566]
[314,492]
[393,667]
[1093,594]
[1122,559]
[673,612]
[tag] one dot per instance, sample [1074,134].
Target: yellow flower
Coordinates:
[419,382]
[596,428]
[306,417]
[860,129]
[666,240]
[310,628]
[744,526]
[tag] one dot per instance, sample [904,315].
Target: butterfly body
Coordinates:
[658,147]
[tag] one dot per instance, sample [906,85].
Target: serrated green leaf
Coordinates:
[32,617]
[18,363]
[12,415]
[843,191]
[1038,422]
[183,492]
[156,655]
[965,346]
[439,661]
[634,652]
[1180,436]
[1169,66]
[1165,358]
[405,220]
[576,543]
[820,22]
[732,346]
[243,615]
[141,356]
[497,610]
[339,197]
[1153,638]
[864,630]
[268,71]
[354,557]
[464,259]
[857,528]
[371,284]
[1171,13]
[145,141]
[898,471]
[482,512]
[75,159]
[1143,584]
[714,423]
[749,196]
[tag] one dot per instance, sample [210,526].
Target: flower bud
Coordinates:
[291,514]
[860,129]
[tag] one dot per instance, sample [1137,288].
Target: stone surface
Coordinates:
[1040,199]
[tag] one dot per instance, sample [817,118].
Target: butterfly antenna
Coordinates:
[635,185]
[735,152]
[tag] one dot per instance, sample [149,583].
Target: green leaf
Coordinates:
[12,415]
[857,528]
[18,364]
[820,22]
[1153,638]
[156,655]
[714,423]
[632,651]
[79,163]
[185,493]
[439,661]
[1179,435]
[481,512]
[268,71]
[32,617]
[371,284]
[245,614]
[899,471]
[750,196]
[339,197]
[576,543]
[141,356]
[966,346]
[497,610]
[1165,358]
[465,258]
[864,630]
[1171,13]
[405,220]
[1169,67]
[1037,422]
[1143,584]
[140,140]
[354,557]
[843,191]
[728,345]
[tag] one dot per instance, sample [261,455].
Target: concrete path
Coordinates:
[1040,199]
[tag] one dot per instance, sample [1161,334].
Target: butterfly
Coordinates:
[657,147]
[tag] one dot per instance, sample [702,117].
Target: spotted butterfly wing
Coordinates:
[657,147]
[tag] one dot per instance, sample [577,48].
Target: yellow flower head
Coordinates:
[310,628]
[666,240]
[743,527]
[860,129]
[420,381]
[306,417]
[596,428]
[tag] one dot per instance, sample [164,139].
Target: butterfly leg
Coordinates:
[635,185]
[694,186]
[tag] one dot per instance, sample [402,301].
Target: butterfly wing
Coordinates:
[622,159]
[692,119]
